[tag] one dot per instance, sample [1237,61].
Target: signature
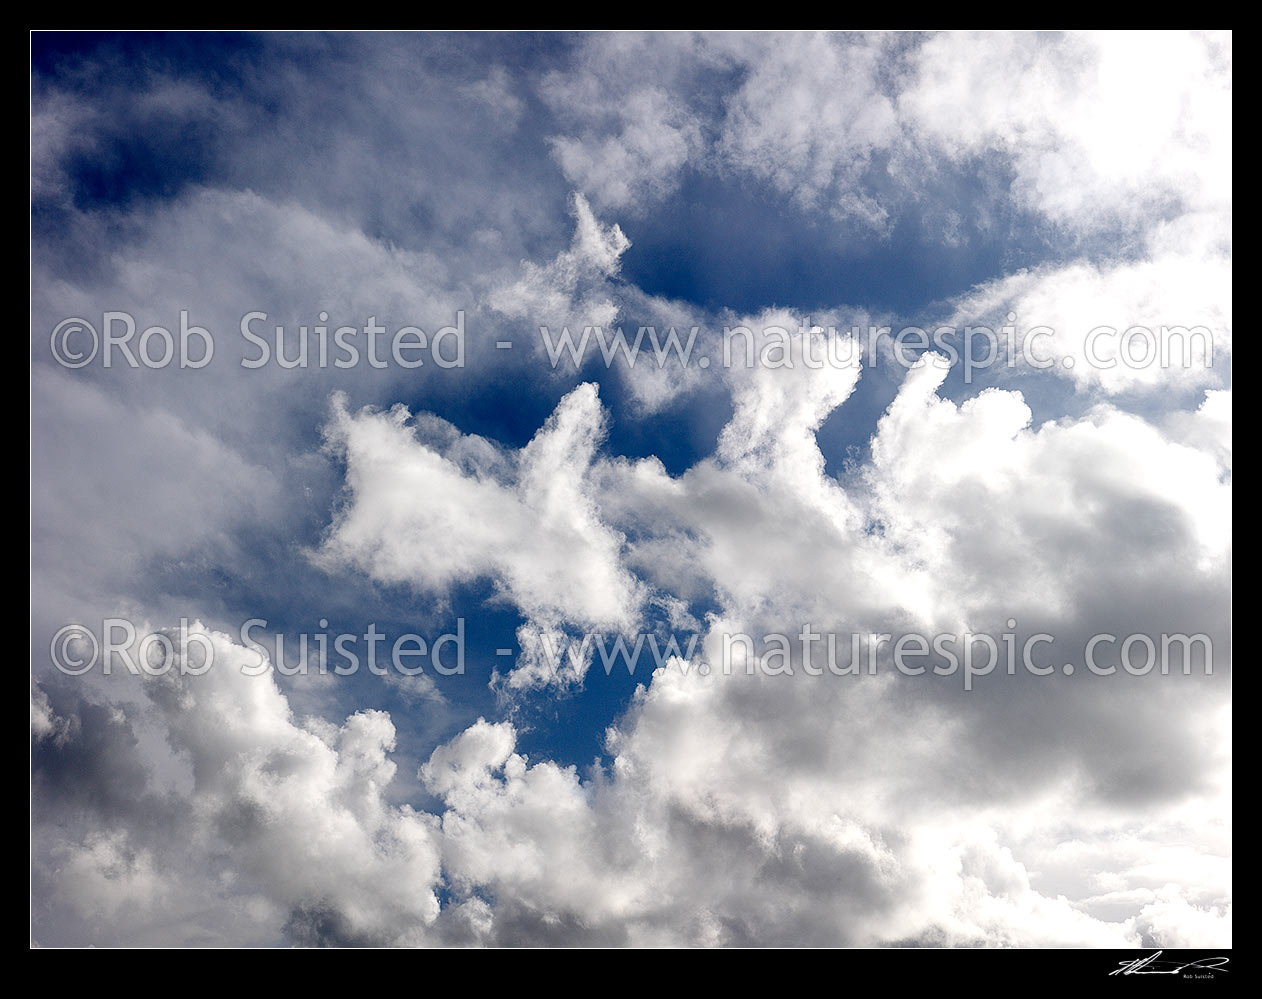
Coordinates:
[1151,966]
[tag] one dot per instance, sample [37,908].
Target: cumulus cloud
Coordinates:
[627,100]
[888,815]
[773,801]
[1156,324]
[573,287]
[293,824]
[1099,127]
[810,119]
[1096,130]
[416,516]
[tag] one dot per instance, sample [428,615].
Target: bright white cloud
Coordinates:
[729,808]
[572,289]
[526,520]
[296,820]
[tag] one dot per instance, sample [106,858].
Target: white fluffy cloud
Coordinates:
[288,823]
[572,289]
[897,791]
[433,518]
[729,808]
[1096,127]
[1153,325]
[809,119]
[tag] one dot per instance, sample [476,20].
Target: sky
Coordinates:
[1031,451]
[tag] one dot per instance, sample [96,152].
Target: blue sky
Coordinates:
[761,180]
